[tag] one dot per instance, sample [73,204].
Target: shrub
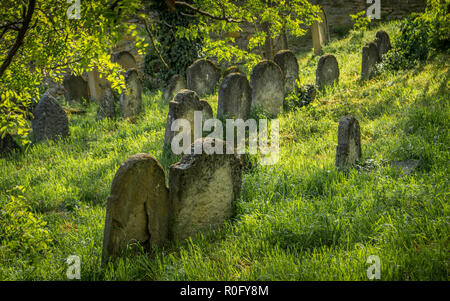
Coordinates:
[21,232]
[301,96]
[421,35]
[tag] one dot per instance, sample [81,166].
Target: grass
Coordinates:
[297,220]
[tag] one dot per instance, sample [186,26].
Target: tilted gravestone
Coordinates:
[370,58]
[288,63]
[125,59]
[348,151]
[50,121]
[383,43]
[106,108]
[327,71]
[76,88]
[267,86]
[235,97]
[131,97]
[138,208]
[203,189]
[320,33]
[182,107]
[176,83]
[231,69]
[202,76]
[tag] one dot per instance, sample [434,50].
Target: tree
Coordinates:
[38,39]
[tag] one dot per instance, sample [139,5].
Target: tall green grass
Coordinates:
[297,220]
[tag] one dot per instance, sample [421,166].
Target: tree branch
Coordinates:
[28,14]
[205,13]
[153,43]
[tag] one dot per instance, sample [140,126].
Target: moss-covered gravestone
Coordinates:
[235,97]
[203,190]
[138,208]
[348,151]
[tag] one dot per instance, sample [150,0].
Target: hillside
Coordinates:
[297,220]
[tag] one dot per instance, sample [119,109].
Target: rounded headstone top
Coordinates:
[383,42]
[261,68]
[288,63]
[327,70]
[231,69]
[202,76]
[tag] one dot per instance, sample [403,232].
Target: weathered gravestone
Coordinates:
[235,97]
[349,142]
[320,33]
[267,86]
[131,98]
[138,208]
[327,71]
[202,76]
[231,69]
[288,63]
[106,108]
[383,43]
[125,59]
[183,106]
[203,189]
[369,58]
[176,83]
[76,88]
[50,121]
[7,144]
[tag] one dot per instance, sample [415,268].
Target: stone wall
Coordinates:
[338,11]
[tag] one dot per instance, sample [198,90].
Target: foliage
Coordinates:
[52,44]
[301,96]
[362,22]
[178,53]
[294,17]
[421,35]
[21,232]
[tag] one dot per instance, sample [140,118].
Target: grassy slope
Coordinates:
[297,220]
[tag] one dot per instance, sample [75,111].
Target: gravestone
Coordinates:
[106,108]
[349,142]
[327,71]
[207,111]
[50,121]
[235,97]
[176,83]
[288,63]
[138,208]
[97,85]
[182,107]
[7,144]
[125,59]
[320,33]
[370,58]
[267,86]
[202,76]
[383,43]
[203,190]
[231,69]
[131,97]
[76,88]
